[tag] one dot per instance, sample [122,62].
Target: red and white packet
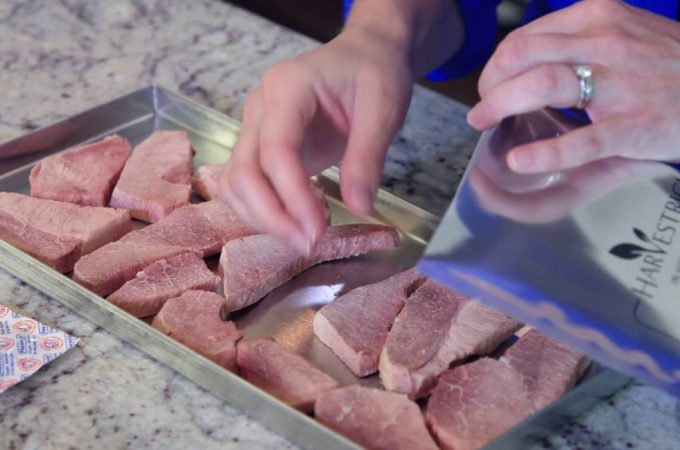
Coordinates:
[26,345]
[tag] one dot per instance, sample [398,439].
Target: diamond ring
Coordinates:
[587,84]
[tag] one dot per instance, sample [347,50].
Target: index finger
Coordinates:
[290,105]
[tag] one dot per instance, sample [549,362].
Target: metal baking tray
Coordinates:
[287,312]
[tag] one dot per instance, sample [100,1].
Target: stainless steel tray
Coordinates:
[286,313]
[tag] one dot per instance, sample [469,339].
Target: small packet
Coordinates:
[26,345]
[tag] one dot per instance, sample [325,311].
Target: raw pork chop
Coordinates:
[206,179]
[194,320]
[255,265]
[374,419]
[167,278]
[58,233]
[156,179]
[355,326]
[84,175]
[202,228]
[285,375]
[548,369]
[435,328]
[474,403]
[493,396]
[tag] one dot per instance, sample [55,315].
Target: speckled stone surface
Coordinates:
[58,57]
[104,394]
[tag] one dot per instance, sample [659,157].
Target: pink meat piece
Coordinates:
[58,252]
[547,368]
[355,326]
[156,180]
[58,233]
[145,294]
[84,175]
[194,320]
[282,373]
[374,419]
[489,397]
[255,265]
[475,403]
[437,327]
[202,228]
[206,180]
[106,270]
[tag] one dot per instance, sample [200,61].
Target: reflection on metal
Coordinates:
[589,255]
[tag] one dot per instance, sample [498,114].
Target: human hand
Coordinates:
[578,186]
[635,56]
[342,102]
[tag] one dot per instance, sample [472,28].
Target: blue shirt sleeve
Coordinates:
[481,29]
[667,8]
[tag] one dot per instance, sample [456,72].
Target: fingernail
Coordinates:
[311,233]
[301,243]
[521,160]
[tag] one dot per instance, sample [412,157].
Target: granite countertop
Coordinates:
[60,57]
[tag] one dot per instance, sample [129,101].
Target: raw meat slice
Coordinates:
[58,252]
[166,278]
[492,396]
[83,175]
[206,181]
[547,368]
[374,419]
[202,228]
[156,179]
[474,403]
[435,328]
[355,326]
[106,270]
[58,233]
[254,266]
[284,374]
[194,320]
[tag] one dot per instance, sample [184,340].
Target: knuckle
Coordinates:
[615,37]
[548,81]
[510,51]
[614,42]
[557,154]
[266,161]
[487,110]
[591,146]
[282,74]
[603,8]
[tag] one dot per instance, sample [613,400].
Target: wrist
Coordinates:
[427,32]
[384,44]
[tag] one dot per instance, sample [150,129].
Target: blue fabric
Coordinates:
[481,29]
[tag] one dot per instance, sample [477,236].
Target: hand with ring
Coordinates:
[619,63]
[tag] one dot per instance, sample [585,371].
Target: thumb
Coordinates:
[374,121]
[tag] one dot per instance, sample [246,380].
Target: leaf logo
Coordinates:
[632,251]
[641,235]
[627,251]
